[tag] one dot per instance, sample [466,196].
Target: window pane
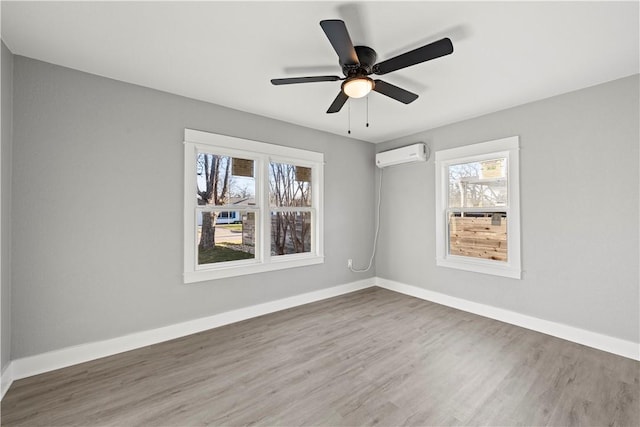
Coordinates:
[478,184]
[478,235]
[289,185]
[224,180]
[290,232]
[225,236]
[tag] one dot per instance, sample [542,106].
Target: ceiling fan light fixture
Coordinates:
[358,87]
[358,62]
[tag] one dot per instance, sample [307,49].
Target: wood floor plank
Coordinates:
[373,357]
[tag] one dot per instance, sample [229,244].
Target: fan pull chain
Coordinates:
[367,110]
[349,114]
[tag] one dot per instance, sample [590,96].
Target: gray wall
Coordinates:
[579,211]
[97,210]
[98,207]
[5,203]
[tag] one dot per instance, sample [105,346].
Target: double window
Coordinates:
[477,208]
[250,207]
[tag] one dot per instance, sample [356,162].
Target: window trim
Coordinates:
[262,153]
[505,147]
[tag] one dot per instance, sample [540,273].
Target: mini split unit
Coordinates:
[408,154]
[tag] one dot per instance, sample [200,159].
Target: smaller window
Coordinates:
[477,208]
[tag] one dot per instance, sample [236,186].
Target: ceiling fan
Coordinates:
[358,62]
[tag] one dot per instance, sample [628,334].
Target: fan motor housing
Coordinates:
[367,58]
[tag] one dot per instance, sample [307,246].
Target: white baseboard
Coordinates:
[45,362]
[602,342]
[6,379]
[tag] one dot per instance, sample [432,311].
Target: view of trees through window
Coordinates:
[226,196]
[477,220]
[225,235]
[249,207]
[289,194]
[478,184]
[477,204]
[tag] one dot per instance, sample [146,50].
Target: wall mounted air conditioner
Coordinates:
[408,154]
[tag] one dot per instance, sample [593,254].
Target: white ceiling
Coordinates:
[505,53]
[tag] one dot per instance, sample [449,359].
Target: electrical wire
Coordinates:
[375,239]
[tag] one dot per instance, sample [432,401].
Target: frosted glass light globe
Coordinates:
[357,87]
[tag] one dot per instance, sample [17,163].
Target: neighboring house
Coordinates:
[232,217]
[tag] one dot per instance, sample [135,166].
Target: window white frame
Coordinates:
[509,149]
[262,153]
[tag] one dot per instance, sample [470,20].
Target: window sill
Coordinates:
[480,266]
[241,270]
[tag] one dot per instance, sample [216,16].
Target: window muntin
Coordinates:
[477,208]
[257,207]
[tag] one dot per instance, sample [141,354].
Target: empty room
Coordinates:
[300,213]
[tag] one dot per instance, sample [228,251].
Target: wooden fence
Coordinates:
[477,237]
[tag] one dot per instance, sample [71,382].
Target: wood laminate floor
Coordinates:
[373,357]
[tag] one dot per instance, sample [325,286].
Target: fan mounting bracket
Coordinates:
[366,57]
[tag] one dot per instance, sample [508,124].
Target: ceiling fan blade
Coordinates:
[292,80]
[425,53]
[337,33]
[394,92]
[337,103]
